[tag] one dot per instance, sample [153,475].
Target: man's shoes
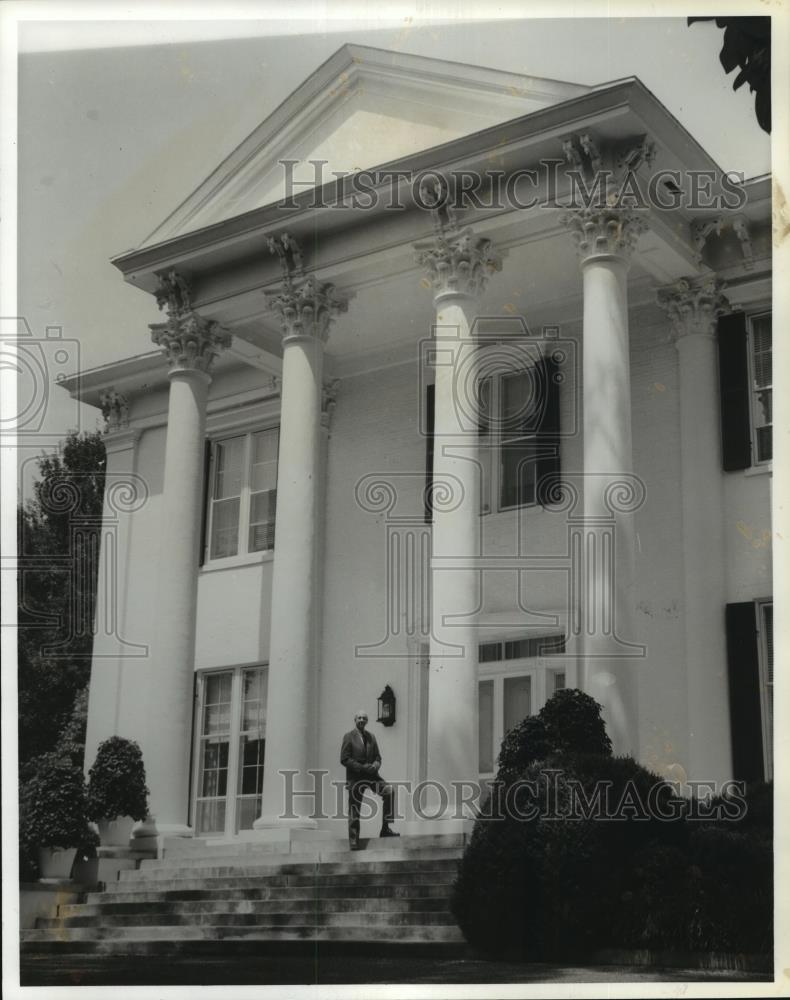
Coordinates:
[387,832]
[354,844]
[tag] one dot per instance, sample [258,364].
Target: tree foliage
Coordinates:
[747,47]
[59,539]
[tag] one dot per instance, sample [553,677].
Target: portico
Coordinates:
[373,307]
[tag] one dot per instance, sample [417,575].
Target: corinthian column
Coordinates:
[693,306]
[605,237]
[306,313]
[458,265]
[190,343]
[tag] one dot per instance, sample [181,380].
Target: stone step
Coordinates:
[261,878]
[186,889]
[369,875]
[266,918]
[134,939]
[406,859]
[186,848]
[224,905]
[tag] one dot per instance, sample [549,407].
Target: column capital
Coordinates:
[604,232]
[457,262]
[693,305]
[190,341]
[306,310]
[612,213]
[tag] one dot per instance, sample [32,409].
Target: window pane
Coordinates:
[247,811]
[228,467]
[262,517]
[486,727]
[225,529]
[558,679]
[518,465]
[211,817]
[761,351]
[263,470]
[490,652]
[251,766]
[517,700]
[764,444]
[519,412]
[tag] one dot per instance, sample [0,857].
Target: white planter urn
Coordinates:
[56,862]
[115,832]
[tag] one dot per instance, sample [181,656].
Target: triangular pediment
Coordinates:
[363,108]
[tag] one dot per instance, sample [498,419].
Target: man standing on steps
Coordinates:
[359,754]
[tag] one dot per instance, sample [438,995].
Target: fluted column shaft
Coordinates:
[191,344]
[604,239]
[458,265]
[306,314]
[693,306]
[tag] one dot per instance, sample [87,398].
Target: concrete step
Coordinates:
[186,889]
[266,918]
[225,905]
[133,939]
[261,878]
[352,860]
[302,876]
[193,849]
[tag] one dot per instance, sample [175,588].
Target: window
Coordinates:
[745,381]
[765,652]
[760,377]
[750,667]
[243,494]
[230,744]
[518,431]
[516,678]
[519,435]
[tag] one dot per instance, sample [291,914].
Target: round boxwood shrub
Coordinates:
[543,877]
[569,723]
[53,806]
[116,782]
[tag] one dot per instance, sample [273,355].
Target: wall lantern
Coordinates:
[386,703]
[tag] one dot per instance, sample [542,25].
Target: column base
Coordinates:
[278,823]
[284,836]
[150,835]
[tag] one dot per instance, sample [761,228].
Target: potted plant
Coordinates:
[117,793]
[53,814]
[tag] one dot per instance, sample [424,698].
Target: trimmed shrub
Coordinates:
[577,850]
[569,723]
[53,807]
[544,878]
[116,782]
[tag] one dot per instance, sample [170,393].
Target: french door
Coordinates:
[230,742]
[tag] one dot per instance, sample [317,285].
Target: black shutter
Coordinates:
[206,500]
[744,682]
[736,443]
[430,411]
[548,438]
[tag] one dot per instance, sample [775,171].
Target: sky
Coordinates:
[118,123]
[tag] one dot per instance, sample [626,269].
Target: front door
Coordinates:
[230,739]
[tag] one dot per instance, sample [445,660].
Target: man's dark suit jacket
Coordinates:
[354,752]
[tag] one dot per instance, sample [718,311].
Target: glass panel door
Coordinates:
[230,740]
[212,783]
[252,744]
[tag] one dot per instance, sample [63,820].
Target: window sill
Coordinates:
[234,562]
[765,469]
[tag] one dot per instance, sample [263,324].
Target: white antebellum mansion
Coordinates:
[474,454]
